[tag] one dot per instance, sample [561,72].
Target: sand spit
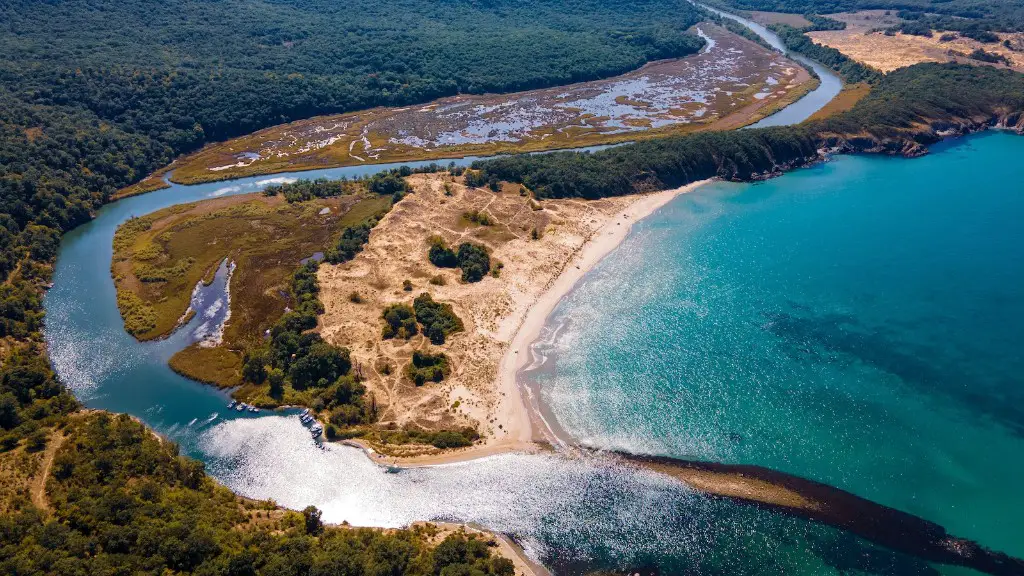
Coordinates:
[503,315]
[819,502]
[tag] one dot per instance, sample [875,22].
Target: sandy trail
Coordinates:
[38,488]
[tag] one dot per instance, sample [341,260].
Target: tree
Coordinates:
[8,411]
[474,261]
[276,379]
[399,322]
[441,255]
[314,526]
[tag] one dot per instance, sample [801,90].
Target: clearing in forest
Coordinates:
[864,41]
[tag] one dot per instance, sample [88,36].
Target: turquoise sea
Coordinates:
[858,323]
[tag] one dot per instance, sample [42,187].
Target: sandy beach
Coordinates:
[602,243]
[504,315]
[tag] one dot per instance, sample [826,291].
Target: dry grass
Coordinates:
[769,18]
[887,53]
[845,100]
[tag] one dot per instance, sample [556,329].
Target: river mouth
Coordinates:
[575,514]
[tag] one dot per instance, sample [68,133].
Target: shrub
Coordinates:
[438,319]
[477,217]
[400,322]
[426,367]
[474,261]
[441,255]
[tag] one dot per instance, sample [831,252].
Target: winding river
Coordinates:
[573,514]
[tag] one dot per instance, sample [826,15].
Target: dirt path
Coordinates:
[38,488]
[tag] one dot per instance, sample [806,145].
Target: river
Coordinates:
[573,514]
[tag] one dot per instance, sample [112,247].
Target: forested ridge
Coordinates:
[904,112]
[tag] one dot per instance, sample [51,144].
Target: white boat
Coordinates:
[232,404]
[305,412]
[240,407]
[253,409]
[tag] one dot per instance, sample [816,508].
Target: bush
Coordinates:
[441,255]
[448,439]
[426,367]
[400,322]
[438,319]
[474,262]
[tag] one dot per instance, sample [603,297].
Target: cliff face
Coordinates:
[915,142]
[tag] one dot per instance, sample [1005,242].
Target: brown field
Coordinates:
[769,18]
[265,237]
[845,100]
[888,53]
[734,81]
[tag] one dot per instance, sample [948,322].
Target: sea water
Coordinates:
[858,323]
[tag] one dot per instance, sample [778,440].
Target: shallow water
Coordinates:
[857,323]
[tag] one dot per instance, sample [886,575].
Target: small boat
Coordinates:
[316,432]
[240,407]
[232,404]
[253,409]
[305,412]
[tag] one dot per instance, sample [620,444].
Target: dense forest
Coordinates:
[894,117]
[972,17]
[123,502]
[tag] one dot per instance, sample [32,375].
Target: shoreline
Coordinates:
[525,427]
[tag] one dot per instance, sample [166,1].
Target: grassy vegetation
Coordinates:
[159,258]
[845,100]
[216,365]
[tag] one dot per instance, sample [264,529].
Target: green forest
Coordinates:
[124,502]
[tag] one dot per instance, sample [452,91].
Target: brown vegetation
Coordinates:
[863,41]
